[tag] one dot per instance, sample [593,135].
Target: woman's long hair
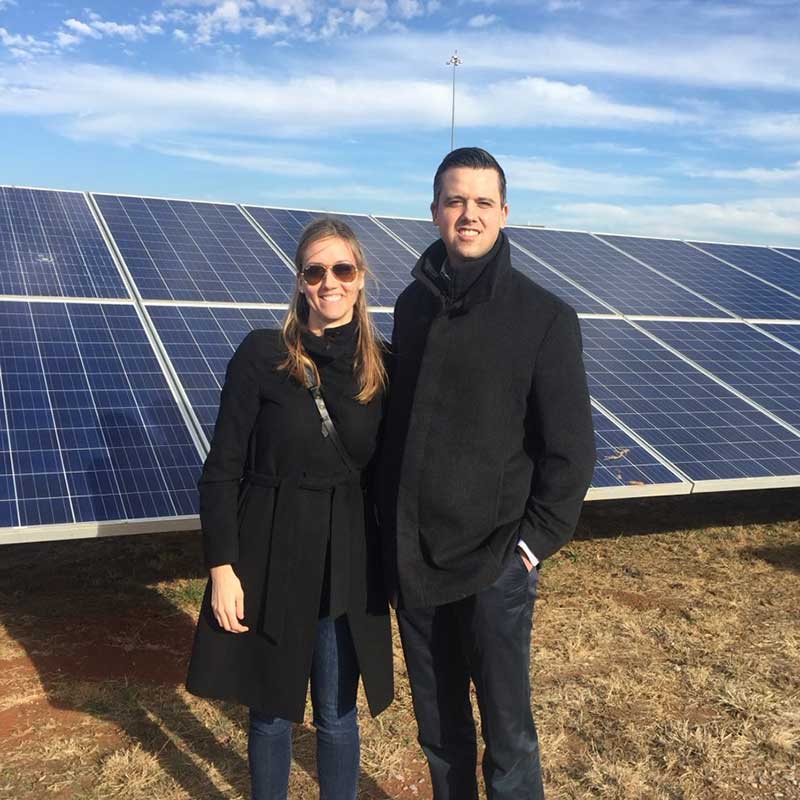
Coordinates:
[368,363]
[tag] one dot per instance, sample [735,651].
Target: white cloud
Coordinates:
[563,5]
[247,157]
[482,20]
[180,35]
[538,175]
[300,10]
[95,101]
[731,61]
[23,47]
[97,28]
[81,28]
[775,128]
[760,175]
[615,148]
[407,9]
[64,39]
[758,220]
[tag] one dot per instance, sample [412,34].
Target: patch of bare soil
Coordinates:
[665,666]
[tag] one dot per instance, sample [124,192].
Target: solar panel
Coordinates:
[623,462]
[693,422]
[730,288]
[181,250]
[789,251]
[755,365]
[759,261]
[94,431]
[51,246]
[786,333]
[200,342]
[420,233]
[620,281]
[416,233]
[283,225]
[389,261]
[384,322]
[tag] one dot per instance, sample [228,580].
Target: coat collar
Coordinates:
[427,271]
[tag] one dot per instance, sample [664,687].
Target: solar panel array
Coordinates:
[119,315]
[740,293]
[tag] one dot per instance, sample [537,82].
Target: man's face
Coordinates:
[469,212]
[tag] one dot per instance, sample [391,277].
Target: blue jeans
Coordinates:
[334,681]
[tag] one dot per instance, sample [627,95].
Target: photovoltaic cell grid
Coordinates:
[693,422]
[93,432]
[200,342]
[743,295]
[786,333]
[50,246]
[619,280]
[755,365]
[621,461]
[417,233]
[389,261]
[789,251]
[181,250]
[384,322]
[760,261]
[283,225]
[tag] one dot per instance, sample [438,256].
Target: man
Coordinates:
[488,454]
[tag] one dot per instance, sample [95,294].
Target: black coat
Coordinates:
[488,432]
[273,494]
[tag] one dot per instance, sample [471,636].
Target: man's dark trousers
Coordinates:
[485,637]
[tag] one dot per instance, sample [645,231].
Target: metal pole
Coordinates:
[456,62]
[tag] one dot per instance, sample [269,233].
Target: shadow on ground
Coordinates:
[641,516]
[88,611]
[786,557]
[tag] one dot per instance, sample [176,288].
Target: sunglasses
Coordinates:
[314,273]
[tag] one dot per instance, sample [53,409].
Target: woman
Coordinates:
[295,590]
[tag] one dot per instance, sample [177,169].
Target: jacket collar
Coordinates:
[428,271]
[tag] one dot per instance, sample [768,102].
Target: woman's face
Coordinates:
[331,301]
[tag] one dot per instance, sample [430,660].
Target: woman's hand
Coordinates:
[227,599]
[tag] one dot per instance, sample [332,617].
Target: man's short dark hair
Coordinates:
[473,157]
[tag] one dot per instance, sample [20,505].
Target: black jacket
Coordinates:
[274,495]
[488,437]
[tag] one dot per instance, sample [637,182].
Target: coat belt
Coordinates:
[346,524]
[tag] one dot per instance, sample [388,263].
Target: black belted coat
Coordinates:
[278,503]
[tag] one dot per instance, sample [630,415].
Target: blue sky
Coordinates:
[667,118]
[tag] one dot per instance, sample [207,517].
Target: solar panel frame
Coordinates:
[789,334]
[773,268]
[623,283]
[747,297]
[627,467]
[91,420]
[755,365]
[712,435]
[164,259]
[789,252]
[199,342]
[55,247]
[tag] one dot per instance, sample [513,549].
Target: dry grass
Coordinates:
[666,666]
